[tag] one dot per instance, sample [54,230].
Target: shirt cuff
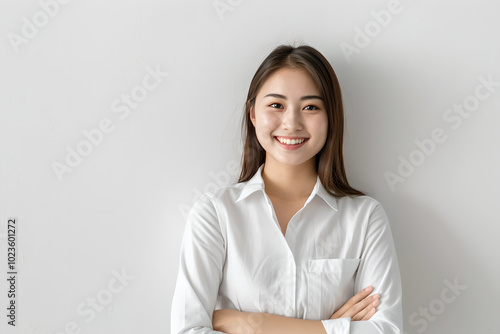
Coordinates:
[337,326]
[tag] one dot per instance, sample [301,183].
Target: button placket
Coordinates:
[291,286]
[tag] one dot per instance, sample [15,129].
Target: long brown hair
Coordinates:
[329,160]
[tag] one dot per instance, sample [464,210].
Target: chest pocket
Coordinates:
[330,284]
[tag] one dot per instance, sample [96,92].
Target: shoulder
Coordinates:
[219,196]
[209,209]
[365,210]
[364,203]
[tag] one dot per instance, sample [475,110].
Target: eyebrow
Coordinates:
[307,97]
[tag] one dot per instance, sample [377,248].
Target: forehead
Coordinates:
[290,81]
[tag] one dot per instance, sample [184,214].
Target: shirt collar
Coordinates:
[257,183]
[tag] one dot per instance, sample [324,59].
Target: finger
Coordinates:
[358,307]
[367,316]
[371,312]
[367,312]
[354,299]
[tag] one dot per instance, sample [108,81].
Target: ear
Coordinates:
[252,115]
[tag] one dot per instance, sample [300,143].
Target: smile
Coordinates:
[288,141]
[291,144]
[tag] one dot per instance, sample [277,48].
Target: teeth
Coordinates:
[291,141]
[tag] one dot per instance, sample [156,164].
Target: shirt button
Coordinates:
[289,311]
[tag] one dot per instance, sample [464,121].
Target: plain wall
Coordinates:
[99,236]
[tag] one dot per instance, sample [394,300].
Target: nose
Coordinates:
[292,119]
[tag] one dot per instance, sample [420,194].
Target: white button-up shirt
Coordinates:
[234,255]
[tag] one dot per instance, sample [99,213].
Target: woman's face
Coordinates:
[290,106]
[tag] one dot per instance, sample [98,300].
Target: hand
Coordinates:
[228,321]
[359,307]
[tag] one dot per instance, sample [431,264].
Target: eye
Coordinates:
[311,107]
[276,105]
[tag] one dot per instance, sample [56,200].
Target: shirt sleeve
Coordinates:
[202,258]
[378,268]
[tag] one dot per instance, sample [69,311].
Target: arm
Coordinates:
[359,307]
[237,322]
[202,259]
[379,268]
[277,324]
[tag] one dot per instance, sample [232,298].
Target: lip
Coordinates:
[291,147]
[286,137]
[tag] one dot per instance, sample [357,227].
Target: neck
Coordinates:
[289,182]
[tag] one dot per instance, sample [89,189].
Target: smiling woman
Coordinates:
[287,115]
[291,247]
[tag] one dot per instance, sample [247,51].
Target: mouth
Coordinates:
[291,140]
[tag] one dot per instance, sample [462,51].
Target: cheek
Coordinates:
[267,119]
[320,127]
[266,123]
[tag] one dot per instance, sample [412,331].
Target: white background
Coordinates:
[121,207]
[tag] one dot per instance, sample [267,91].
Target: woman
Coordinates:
[285,249]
